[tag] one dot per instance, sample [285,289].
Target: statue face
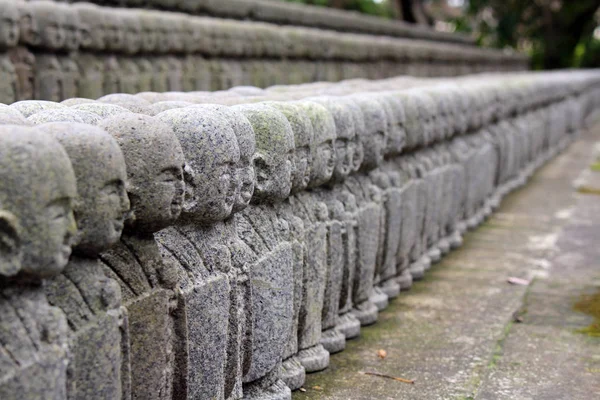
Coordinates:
[344,153]
[50,23]
[133,33]
[302,162]
[273,162]
[102,203]
[72,28]
[29,33]
[149,33]
[212,153]
[154,162]
[38,190]
[114,30]
[9,24]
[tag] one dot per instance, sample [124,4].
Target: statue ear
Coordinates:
[10,245]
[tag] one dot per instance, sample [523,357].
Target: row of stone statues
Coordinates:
[25,76]
[47,25]
[179,250]
[284,13]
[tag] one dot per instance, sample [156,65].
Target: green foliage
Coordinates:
[371,7]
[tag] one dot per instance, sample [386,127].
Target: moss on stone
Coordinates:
[590,304]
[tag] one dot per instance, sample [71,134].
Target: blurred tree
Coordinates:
[550,30]
[557,33]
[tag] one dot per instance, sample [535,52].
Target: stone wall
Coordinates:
[221,246]
[285,13]
[56,51]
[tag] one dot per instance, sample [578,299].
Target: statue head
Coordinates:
[28,28]
[29,107]
[274,151]
[133,30]
[396,138]
[114,29]
[50,22]
[63,115]
[244,168]
[102,204]
[374,137]
[36,198]
[9,23]
[341,111]
[154,161]
[133,103]
[73,28]
[103,110]
[211,153]
[150,22]
[323,145]
[303,141]
[92,29]
[11,116]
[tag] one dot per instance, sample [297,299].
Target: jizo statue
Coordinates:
[99,346]
[8,83]
[268,236]
[293,372]
[203,262]
[37,230]
[48,78]
[239,347]
[24,62]
[314,215]
[154,161]
[92,29]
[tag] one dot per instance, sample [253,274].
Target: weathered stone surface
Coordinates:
[154,162]
[38,186]
[99,345]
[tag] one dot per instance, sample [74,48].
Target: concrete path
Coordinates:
[464,332]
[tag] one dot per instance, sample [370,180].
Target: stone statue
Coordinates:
[368,200]
[268,236]
[203,262]
[99,344]
[37,231]
[69,87]
[239,348]
[115,34]
[48,78]
[24,63]
[10,17]
[8,80]
[91,78]
[293,372]
[49,20]
[314,215]
[154,161]
[112,75]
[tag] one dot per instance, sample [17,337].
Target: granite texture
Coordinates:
[228,242]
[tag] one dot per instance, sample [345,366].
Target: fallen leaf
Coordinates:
[302,390]
[381,353]
[518,281]
[317,387]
